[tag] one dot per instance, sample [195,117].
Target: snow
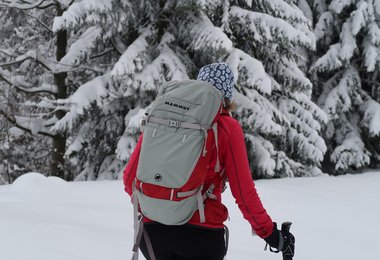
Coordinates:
[371,56]
[264,151]
[338,5]
[205,35]
[323,24]
[351,152]
[374,33]
[348,43]
[80,12]
[358,17]
[371,117]
[287,11]
[127,143]
[257,119]
[304,6]
[376,4]
[93,91]
[44,218]
[129,62]
[266,28]
[256,77]
[80,50]
[153,73]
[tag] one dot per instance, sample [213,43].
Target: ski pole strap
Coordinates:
[280,245]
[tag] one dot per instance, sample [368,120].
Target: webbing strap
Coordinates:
[138,235]
[142,232]
[201,207]
[135,207]
[209,193]
[136,224]
[189,193]
[173,123]
[215,129]
[159,192]
[280,245]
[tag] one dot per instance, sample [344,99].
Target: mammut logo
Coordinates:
[158,177]
[177,105]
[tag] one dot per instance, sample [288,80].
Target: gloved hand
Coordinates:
[282,240]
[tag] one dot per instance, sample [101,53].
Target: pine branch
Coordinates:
[35,90]
[26,5]
[118,45]
[105,52]
[34,56]
[13,62]
[7,53]
[12,120]
[4,78]
[40,22]
[25,89]
[47,5]
[100,72]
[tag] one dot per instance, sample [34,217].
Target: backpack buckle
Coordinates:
[173,123]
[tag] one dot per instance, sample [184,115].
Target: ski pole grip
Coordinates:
[286,226]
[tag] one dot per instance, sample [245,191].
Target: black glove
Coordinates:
[282,241]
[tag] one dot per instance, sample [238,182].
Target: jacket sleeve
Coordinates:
[241,183]
[131,168]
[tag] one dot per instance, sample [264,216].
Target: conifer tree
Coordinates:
[26,78]
[346,79]
[156,41]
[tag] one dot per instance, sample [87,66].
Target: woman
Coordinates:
[205,241]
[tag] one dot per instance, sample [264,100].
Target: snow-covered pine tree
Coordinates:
[282,124]
[24,82]
[20,151]
[164,40]
[346,78]
[97,109]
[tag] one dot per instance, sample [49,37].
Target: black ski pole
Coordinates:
[285,230]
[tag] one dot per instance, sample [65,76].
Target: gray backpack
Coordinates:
[179,129]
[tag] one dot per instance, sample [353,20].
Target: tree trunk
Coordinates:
[59,140]
[162,21]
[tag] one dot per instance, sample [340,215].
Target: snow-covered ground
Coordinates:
[48,219]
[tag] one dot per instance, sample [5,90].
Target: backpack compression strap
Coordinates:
[172,123]
[177,124]
[159,192]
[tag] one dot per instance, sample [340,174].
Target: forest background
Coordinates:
[76,77]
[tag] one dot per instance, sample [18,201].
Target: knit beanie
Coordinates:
[220,76]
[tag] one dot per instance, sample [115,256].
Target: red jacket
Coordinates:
[233,158]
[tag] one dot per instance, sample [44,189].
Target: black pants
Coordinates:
[184,242]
